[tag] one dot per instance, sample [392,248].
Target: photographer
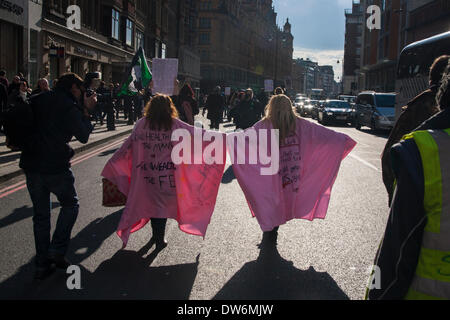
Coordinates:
[92,84]
[58,116]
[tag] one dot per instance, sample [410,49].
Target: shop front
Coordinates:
[13,22]
[71,51]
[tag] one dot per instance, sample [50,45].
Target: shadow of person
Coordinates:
[228,176]
[107,153]
[271,277]
[20,214]
[90,239]
[127,275]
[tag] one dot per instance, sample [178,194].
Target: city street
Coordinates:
[327,259]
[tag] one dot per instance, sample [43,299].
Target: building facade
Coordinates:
[19,37]
[421,19]
[354,25]
[240,44]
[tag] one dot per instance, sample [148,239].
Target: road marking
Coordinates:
[22,184]
[364,162]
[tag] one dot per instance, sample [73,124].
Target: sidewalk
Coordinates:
[9,161]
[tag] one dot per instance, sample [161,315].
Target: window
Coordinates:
[205,23]
[204,38]
[129,33]
[205,5]
[163,51]
[139,39]
[115,24]
[204,55]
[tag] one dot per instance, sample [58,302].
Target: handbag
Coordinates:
[112,197]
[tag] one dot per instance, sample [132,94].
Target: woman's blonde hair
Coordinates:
[282,115]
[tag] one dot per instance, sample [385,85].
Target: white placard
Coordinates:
[228,91]
[268,85]
[164,73]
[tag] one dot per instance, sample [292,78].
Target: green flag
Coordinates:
[139,75]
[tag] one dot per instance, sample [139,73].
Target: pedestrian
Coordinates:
[108,97]
[42,86]
[278,91]
[249,110]
[18,117]
[54,83]
[156,189]
[214,106]
[60,115]
[235,110]
[413,259]
[186,104]
[100,109]
[4,79]
[3,103]
[413,114]
[138,101]
[14,86]
[118,101]
[299,183]
[128,109]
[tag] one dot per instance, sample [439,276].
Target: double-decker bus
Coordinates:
[414,67]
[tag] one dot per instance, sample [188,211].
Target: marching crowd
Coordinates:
[417,229]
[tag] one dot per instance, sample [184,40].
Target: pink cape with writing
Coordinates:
[143,170]
[309,165]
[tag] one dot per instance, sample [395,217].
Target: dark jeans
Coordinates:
[215,123]
[40,186]
[110,119]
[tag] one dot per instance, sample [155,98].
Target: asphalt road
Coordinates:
[324,259]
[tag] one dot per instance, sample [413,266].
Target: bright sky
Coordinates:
[318,27]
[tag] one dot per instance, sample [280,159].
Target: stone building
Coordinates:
[240,44]
[354,26]
[19,38]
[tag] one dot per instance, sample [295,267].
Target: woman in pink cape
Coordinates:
[309,160]
[158,188]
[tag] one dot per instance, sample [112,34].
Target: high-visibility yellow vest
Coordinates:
[432,278]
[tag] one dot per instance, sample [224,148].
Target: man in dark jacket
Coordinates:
[58,116]
[215,105]
[398,255]
[249,110]
[417,111]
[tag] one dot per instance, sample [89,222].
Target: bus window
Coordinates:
[414,67]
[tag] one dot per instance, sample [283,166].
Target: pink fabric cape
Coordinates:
[309,165]
[143,170]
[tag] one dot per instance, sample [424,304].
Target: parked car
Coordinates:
[335,111]
[299,102]
[315,110]
[307,108]
[375,110]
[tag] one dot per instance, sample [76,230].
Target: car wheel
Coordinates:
[357,124]
[374,126]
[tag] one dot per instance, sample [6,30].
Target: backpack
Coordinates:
[18,122]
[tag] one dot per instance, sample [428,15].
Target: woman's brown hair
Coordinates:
[160,112]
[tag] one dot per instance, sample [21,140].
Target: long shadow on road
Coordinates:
[127,275]
[20,214]
[271,277]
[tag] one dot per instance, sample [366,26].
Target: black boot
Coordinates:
[159,231]
[270,238]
